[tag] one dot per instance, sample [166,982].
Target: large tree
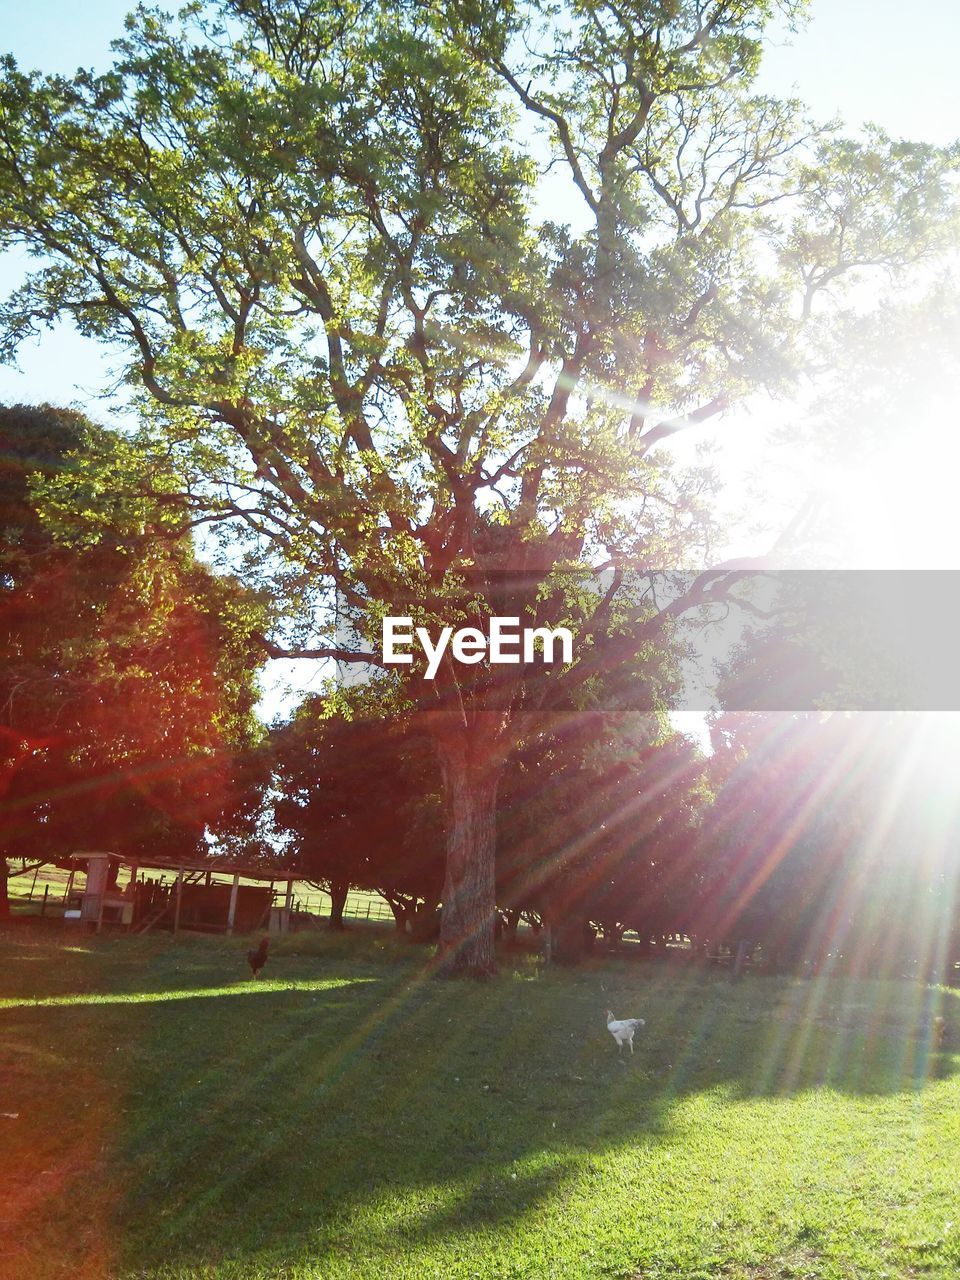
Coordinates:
[127,669]
[412,297]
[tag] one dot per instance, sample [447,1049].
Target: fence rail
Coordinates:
[47,887]
[358,906]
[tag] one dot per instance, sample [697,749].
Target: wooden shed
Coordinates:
[204,895]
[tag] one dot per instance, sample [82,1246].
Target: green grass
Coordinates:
[348,1117]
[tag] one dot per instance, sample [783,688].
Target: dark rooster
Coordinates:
[257,959]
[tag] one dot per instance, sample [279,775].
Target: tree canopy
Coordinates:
[356,793]
[127,669]
[412,297]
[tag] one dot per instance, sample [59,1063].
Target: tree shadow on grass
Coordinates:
[340,1127]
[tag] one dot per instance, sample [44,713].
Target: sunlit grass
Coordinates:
[360,1119]
[253,987]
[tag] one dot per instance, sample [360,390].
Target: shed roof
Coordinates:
[218,866]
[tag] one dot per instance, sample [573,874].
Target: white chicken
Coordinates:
[623,1029]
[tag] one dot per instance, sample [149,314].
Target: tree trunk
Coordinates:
[400,912]
[425,923]
[338,900]
[4,894]
[469,887]
[739,960]
[612,934]
[570,938]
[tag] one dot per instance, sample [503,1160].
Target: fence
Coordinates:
[44,889]
[359,906]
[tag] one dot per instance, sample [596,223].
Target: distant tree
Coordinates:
[772,842]
[595,821]
[315,233]
[652,874]
[243,829]
[127,669]
[834,841]
[357,794]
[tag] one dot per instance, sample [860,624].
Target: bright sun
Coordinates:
[901,510]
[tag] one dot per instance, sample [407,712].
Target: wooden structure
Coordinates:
[101,901]
[204,894]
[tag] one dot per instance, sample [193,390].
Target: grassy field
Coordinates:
[348,1117]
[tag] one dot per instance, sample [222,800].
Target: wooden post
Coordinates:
[33,884]
[232,908]
[287,904]
[739,960]
[176,909]
[43,905]
[69,888]
[132,891]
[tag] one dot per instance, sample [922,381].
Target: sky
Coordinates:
[855,58]
[858,59]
